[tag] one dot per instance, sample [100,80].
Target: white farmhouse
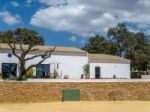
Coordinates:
[68,62]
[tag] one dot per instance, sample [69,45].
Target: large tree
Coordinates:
[99,44]
[22,37]
[139,53]
[121,37]
[124,43]
[134,46]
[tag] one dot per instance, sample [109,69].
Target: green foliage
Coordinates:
[134,46]
[29,73]
[121,37]
[86,69]
[99,45]
[139,52]
[12,78]
[21,35]
[24,78]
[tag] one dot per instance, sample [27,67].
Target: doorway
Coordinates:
[97,72]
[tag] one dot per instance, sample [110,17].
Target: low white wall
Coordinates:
[87,80]
[108,70]
[145,76]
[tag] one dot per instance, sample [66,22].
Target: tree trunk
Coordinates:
[20,76]
[22,71]
[147,71]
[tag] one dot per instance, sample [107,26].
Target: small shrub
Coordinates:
[29,74]
[55,74]
[34,77]
[24,78]
[86,70]
[11,77]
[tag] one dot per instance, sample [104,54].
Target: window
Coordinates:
[9,70]
[9,55]
[42,70]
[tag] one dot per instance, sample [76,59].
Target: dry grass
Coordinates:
[84,106]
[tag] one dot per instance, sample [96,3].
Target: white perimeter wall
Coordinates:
[108,70]
[68,64]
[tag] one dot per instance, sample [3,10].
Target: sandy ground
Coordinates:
[93,106]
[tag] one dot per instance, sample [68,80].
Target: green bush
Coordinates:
[30,72]
[86,70]
[24,78]
[11,77]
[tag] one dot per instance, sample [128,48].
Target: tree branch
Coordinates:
[30,58]
[46,56]
[21,47]
[13,48]
[29,49]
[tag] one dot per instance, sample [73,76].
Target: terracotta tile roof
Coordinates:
[45,48]
[107,58]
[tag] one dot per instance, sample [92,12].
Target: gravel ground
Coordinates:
[83,106]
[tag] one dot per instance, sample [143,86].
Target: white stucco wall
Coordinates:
[108,70]
[68,64]
[72,65]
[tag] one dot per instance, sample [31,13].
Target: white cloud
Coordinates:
[140,27]
[144,2]
[14,3]
[85,17]
[73,39]
[53,2]
[9,18]
[29,1]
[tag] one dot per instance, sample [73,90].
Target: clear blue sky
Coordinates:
[72,22]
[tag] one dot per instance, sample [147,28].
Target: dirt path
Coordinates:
[93,106]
